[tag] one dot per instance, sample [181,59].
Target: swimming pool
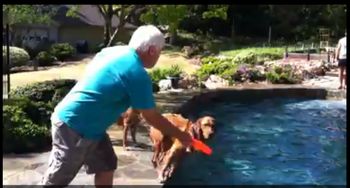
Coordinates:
[271,142]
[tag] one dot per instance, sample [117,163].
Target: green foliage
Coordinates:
[255,55]
[174,71]
[45,58]
[60,93]
[256,75]
[216,11]
[38,112]
[282,75]
[18,56]
[98,47]
[26,121]
[28,14]
[248,73]
[215,59]
[62,51]
[20,133]
[245,57]
[222,68]
[156,75]
[160,74]
[170,15]
[44,91]
[33,50]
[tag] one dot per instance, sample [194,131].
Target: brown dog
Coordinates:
[168,151]
[129,120]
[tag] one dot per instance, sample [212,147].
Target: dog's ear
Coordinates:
[196,129]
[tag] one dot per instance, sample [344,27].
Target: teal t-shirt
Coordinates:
[114,80]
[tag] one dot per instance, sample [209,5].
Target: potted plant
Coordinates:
[173,74]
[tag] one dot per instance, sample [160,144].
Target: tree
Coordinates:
[172,15]
[123,12]
[27,14]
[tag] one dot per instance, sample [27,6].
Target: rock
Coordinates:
[261,68]
[188,82]
[215,81]
[164,84]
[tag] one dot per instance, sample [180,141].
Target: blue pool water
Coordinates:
[274,141]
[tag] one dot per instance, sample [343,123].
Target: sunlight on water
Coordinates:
[274,141]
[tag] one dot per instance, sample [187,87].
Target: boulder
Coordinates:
[164,84]
[215,81]
[188,82]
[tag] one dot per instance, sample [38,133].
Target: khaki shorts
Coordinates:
[70,152]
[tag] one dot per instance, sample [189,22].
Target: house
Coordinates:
[88,26]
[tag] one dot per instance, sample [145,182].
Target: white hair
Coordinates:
[146,36]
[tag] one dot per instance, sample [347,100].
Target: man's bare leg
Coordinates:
[341,77]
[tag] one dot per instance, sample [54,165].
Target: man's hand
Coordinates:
[156,120]
[185,139]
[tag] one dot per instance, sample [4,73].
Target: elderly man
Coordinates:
[115,80]
[340,55]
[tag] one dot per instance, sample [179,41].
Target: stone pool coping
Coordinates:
[185,101]
[135,167]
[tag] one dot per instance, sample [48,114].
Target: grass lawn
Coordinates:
[257,50]
[167,59]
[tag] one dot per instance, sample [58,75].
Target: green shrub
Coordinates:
[282,75]
[160,74]
[156,75]
[256,75]
[216,59]
[62,51]
[18,56]
[173,71]
[218,68]
[255,55]
[20,133]
[245,57]
[59,94]
[45,58]
[98,47]
[44,91]
[33,47]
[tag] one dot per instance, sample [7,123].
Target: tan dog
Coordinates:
[168,151]
[129,120]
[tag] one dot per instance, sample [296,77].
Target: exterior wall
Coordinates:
[94,35]
[71,34]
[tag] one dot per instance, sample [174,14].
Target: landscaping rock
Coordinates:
[188,82]
[164,84]
[215,81]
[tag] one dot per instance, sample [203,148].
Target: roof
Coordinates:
[87,15]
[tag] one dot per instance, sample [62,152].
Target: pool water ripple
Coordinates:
[275,141]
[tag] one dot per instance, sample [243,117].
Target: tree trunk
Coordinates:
[107,31]
[173,37]
[122,21]
[233,28]
[114,36]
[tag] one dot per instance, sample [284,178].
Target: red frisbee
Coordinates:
[199,145]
